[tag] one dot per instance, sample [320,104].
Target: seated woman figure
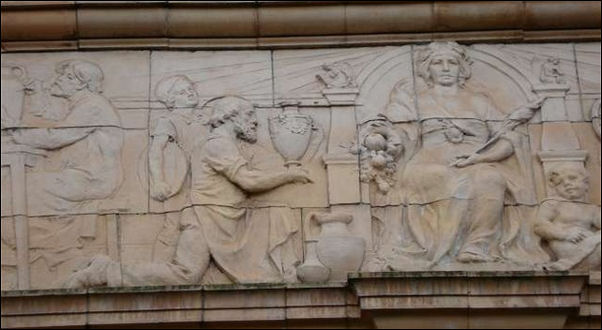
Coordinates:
[463,174]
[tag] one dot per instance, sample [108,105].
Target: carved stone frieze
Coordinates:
[137,168]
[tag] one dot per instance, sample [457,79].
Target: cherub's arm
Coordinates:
[51,138]
[544,224]
[159,189]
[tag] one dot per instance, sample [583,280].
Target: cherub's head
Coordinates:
[569,180]
[177,92]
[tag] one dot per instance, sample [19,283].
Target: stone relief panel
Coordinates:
[588,65]
[74,114]
[466,181]
[298,165]
[248,244]
[217,73]
[9,254]
[304,73]
[60,244]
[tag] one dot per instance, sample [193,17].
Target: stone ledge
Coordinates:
[267,24]
[366,295]
[305,42]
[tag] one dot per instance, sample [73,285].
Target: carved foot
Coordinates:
[472,257]
[561,264]
[94,274]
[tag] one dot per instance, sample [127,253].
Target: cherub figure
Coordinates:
[569,224]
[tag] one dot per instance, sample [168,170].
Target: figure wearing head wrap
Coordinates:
[450,173]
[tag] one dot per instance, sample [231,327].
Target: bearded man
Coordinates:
[248,245]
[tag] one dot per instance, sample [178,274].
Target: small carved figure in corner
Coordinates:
[551,73]
[337,75]
[380,149]
[569,224]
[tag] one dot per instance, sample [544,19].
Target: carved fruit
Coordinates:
[375,141]
[378,161]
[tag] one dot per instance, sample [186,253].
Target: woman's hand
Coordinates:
[466,160]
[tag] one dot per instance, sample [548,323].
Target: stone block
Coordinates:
[449,319]
[232,299]
[53,24]
[414,302]
[536,285]
[186,22]
[317,312]
[588,66]
[121,22]
[388,18]
[462,16]
[544,14]
[246,315]
[243,73]
[524,302]
[323,19]
[413,287]
[315,297]
[517,320]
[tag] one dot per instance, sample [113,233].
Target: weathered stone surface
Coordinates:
[171,167]
[384,300]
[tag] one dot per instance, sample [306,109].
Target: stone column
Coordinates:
[344,193]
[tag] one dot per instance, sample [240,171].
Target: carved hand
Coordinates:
[299,175]
[33,86]
[466,160]
[537,103]
[576,235]
[160,191]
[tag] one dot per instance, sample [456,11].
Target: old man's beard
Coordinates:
[247,133]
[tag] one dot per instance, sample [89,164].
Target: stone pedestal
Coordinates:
[557,132]
[342,166]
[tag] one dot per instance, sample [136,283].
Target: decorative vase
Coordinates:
[13,77]
[337,248]
[312,270]
[291,133]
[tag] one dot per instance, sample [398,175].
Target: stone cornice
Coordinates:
[371,298]
[72,25]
